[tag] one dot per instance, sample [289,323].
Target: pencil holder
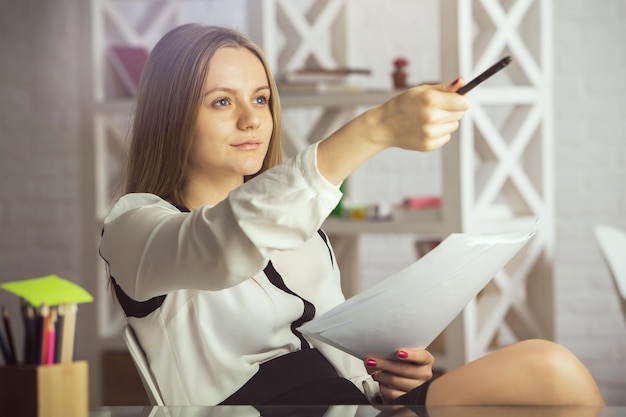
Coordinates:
[45,390]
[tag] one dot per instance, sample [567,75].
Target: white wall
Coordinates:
[590,65]
[42,132]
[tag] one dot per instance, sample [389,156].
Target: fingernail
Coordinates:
[403,354]
[370,362]
[455,82]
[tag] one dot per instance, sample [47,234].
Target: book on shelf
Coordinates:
[320,87]
[128,62]
[412,307]
[317,75]
[321,80]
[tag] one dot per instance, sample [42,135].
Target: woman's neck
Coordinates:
[199,193]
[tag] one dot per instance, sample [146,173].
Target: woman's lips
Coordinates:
[248,145]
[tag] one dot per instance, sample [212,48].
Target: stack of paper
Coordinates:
[410,308]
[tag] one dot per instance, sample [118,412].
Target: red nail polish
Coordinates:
[403,354]
[455,82]
[370,362]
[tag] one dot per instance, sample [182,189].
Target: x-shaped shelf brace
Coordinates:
[309,36]
[505,301]
[312,37]
[131,24]
[523,127]
[508,163]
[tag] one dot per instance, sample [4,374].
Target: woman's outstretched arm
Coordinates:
[421,119]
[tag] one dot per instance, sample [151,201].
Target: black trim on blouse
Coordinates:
[325,239]
[140,309]
[134,308]
[309,308]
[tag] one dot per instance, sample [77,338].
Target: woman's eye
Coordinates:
[222,102]
[262,100]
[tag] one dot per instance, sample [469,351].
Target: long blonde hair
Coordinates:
[170,95]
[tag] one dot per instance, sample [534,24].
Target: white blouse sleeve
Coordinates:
[152,249]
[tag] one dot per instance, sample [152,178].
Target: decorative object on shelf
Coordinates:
[128,62]
[420,202]
[399,74]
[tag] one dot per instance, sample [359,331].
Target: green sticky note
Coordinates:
[52,290]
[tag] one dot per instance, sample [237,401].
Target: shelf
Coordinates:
[334,98]
[427,221]
[422,221]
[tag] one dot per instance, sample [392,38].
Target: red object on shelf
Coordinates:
[128,62]
[422,202]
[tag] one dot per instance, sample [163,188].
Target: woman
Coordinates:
[216,255]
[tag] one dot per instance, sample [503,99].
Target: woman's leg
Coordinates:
[533,372]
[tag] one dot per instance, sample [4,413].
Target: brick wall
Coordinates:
[41,139]
[40,154]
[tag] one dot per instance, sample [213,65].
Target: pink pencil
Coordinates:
[50,336]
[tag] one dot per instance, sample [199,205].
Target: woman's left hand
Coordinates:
[396,377]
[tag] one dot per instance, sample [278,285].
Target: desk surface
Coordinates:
[357,411]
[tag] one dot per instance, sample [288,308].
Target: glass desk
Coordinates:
[358,411]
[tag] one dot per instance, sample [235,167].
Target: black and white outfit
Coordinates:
[216,295]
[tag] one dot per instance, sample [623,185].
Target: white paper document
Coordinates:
[409,309]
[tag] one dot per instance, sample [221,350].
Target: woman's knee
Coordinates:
[560,370]
[547,356]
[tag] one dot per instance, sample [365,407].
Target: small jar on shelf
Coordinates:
[399,74]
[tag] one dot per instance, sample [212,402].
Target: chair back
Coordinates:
[141,363]
[612,242]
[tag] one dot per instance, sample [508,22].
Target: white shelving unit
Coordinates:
[500,165]
[497,171]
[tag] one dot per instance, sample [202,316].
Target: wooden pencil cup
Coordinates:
[45,390]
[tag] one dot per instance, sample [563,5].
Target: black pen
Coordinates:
[30,334]
[60,328]
[9,335]
[485,74]
[3,349]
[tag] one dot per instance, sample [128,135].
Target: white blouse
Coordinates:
[222,317]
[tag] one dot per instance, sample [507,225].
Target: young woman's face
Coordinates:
[234,123]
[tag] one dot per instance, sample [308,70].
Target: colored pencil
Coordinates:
[43,333]
[50,338]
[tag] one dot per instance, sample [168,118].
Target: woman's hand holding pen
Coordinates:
[422,119]
[412,368]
